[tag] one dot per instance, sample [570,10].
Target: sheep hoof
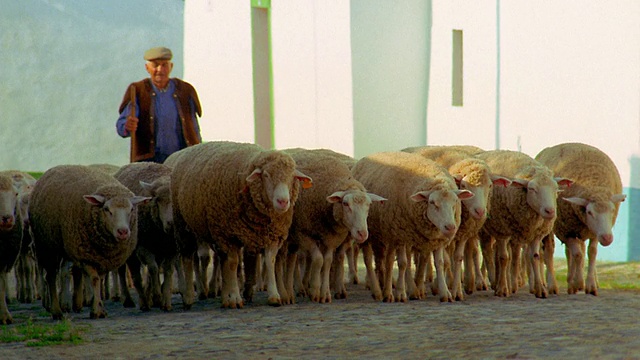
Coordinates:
[275,302]
[7,320]
[186,307]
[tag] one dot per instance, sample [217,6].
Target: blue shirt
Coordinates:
[167,127]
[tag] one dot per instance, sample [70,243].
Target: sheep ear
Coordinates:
[458,178]
[145,185]
[464,194]
[307,182]
[376,198]
[563,182]
[335,197]
[520,183]
[140,200]
[618,198]
[577,201]
[96,200]
[499,180]
[255,175]
[420,196]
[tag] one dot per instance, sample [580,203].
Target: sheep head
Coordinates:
[600,215]
[352,210]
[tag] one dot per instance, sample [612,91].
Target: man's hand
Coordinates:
[132,124]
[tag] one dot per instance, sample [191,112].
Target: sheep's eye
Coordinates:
[532,189]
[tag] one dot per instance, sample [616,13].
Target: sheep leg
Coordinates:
[387,263]
[411,287]
[373,281]
[292,265]
[458,257]
[5,316]
[401,291]
[154,292]
[66,299]
[325,289]
[216,276]
[128,299]
[167,283]
[337,271]
[575,259]
[549,249]
[97,307]
[502,265]
[79,293]
[592,276]
[443,290]
[54,300]
[270,253]
[250,261]
[315,279]
[187,289]
[230,290]
[144,295]
[489,256]
[539,290]
[352,261]
[420,292]
[514,274]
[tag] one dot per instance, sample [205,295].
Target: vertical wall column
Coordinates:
[262,72]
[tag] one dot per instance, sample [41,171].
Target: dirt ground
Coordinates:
[483,326]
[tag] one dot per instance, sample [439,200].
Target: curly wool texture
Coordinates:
[460,163]
[211,195]
[11,239]
[151,232]
[314,216]
[595,177]
[511,216]
[396,176]
[65,226]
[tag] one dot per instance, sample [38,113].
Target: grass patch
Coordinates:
[611,275]
[32,334]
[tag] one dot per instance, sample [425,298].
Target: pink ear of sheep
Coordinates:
[520,183]
[307,182]
[95,200]
[464,194]
[563,182]
[499,180]
[377,198]
[140,200]
[335,197]
[617,198]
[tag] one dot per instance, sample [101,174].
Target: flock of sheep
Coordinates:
[284,221]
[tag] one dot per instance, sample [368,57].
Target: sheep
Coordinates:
[474,175]
[423,212]
[26,267]
[234,196]
[156,242]
[85,216]
[521,215]
[108,168]
[588,208]
[10,238]
[325,216]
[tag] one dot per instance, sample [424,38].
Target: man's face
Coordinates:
[159,71]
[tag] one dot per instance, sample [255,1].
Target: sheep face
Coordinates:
[600,216]
[443,208]
[8,202]
[541,195]
[277,184]
[161,204]
[116,213]
[352,209]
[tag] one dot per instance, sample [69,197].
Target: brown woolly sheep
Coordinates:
[474,175]
[521,216]
[156,242]
[85,216]
[423,212]
[325,216]
[10,238]
[587,210]
[235,196]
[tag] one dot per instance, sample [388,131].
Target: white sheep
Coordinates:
[521,215]
[588,208]
[85,216]
[235,195]
[423,212]
[10,238]
[471,174]
[326,215]
[156,242]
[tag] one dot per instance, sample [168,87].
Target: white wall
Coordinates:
[390,47]
[311,70]
[65,67]
[217,56]
[569,71]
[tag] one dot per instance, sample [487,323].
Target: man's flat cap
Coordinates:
[158,53]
